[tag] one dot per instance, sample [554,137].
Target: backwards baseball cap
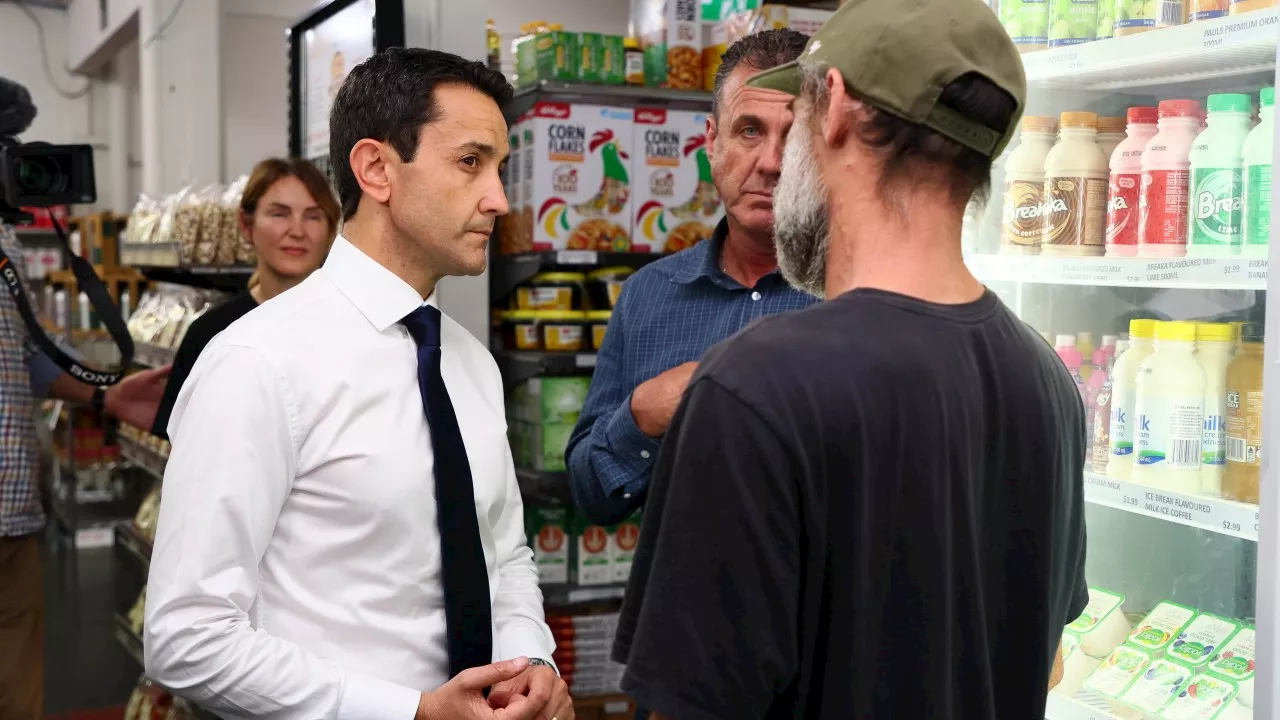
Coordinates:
[899,55]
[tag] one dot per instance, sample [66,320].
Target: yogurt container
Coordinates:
[1076,666]
[1102,626]
[1199,642]
[1205,697]
[1236,662]
[1118,672]
[1236,711]
[1157,687]
[1161,627]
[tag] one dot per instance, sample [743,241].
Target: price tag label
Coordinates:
[1090,272]
[577,257]
[1234,32]
[1256,271]
[585,360]
[1221,516]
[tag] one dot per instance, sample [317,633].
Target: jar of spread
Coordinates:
[562,330]
[598,320]
[520,330]
[551,291]
[604,286]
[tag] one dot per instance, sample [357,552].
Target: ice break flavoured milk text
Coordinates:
[1216,221]
[1023,211]
[1126,183]
[1166,178]
[1075,189]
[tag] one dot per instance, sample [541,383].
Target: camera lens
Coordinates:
[41,176]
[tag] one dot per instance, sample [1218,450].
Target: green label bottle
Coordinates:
[1215,223]
[1257,178]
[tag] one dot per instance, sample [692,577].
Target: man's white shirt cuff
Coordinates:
[368,698]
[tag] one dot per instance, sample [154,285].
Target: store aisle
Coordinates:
[88,675]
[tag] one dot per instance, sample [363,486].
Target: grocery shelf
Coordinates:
[1084,706]
[508,271]
[1205,50]
[132,544]
[624,95]
[232,278]
[518,366]
[129,640]
[148,460]
[1225,517]
[1185,273]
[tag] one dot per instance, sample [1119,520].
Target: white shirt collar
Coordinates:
[379,294]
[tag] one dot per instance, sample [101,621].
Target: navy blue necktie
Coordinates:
[467,610]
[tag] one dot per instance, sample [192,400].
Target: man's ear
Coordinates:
[712,132]
[369,163]
[836,120]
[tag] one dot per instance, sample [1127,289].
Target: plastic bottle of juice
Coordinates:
[1207,9]
[1257,178]
[1135,16]
[1126,183]
[1106,19]
[1170,13]
[1166,173]
[1023,214]
[1075,189]
[1170,412]
[1109,347]
[1100,430]
[1111,132]
[1084,343]
[1214,348]
[1070,355]
[1244,418]
[1072,22]
[1027,22]
[1244,6]
[1124,396]
[1092,387]
[1214,225]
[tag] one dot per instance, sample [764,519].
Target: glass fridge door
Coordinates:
[1132,230]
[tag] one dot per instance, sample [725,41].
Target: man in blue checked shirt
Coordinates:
[674,310]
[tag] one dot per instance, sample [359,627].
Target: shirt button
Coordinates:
[626,496]
[756,295]
[644,454]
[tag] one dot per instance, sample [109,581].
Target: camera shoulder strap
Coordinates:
[99,298]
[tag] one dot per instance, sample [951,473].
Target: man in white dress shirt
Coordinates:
[342,534]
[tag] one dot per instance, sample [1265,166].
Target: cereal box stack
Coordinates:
[670,33]
[676,202]
[580,188]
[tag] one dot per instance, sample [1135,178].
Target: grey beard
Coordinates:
[801,223]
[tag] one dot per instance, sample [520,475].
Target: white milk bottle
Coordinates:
[1170,412]
[1126,183]
[1124,396]
[1075,189]
[1257,178]
[1215,224]
[1215,347]
[1023,215]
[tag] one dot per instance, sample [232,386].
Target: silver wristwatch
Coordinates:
[540,661]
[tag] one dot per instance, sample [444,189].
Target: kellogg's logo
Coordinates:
[645,116]
[565,180]
[559,111]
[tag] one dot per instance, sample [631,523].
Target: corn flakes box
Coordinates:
[580,191]
[510,235]
[676,203]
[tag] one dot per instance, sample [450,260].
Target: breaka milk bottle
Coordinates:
[1166,177]
[1215,224]
[1170,412]
[1075,189]
[1257,178]
[1023,212]
[1126,183]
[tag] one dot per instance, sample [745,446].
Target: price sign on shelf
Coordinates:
[577,257]
[1214,514]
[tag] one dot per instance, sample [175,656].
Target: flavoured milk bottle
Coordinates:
[1072,22]
[1075,189]
[1027,22]
[1065,346]
[1023,213]
[1124,397]
[1215,347]
[1170,412]
[1244,418]
[1111,132]
[1126,183]
[1166,175]
[1257,178]
[1084,343]
[1214,226]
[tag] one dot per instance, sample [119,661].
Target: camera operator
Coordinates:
[26,374]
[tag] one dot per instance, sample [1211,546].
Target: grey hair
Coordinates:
[761,51]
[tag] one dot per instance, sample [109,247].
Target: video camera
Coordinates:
[41,175]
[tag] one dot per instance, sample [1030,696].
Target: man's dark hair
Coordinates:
[761,51]
[912,153]
[389,97]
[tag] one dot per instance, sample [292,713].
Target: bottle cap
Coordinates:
[1040,124]
[1085,335]
[1214,332]
[1252,332]
[1176,331]
[1143,116]
[1065,341]
[1267,97]
[1108,340]
[1111,125]
[1086,120]
[1142,328]
[1230,102]
[1179,108]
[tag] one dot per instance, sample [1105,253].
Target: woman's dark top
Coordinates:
[198,335]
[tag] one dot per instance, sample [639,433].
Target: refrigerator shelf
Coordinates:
[1083,706]
[1205,50]
[1207,513]
[1183,273]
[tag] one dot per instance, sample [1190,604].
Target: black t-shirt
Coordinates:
[198,335]
[872,508]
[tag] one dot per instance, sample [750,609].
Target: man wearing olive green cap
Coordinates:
[872,508]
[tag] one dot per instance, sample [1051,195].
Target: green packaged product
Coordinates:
[1106,19]
[590,57]
[1027,22]
[548,529]
[1072,22]
[525,52]
[613,60]
[549,400]
[1134,16]
[558,55]
[547,443]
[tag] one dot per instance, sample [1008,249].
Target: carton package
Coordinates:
[670,33]
[547,54]
[548,529]
[580,188]
[625,536]
[602,59]
[676,202]
[541,445]
[549,400]
[594,561]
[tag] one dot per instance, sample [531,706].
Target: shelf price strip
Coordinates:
[1213,514]
[1234,273]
